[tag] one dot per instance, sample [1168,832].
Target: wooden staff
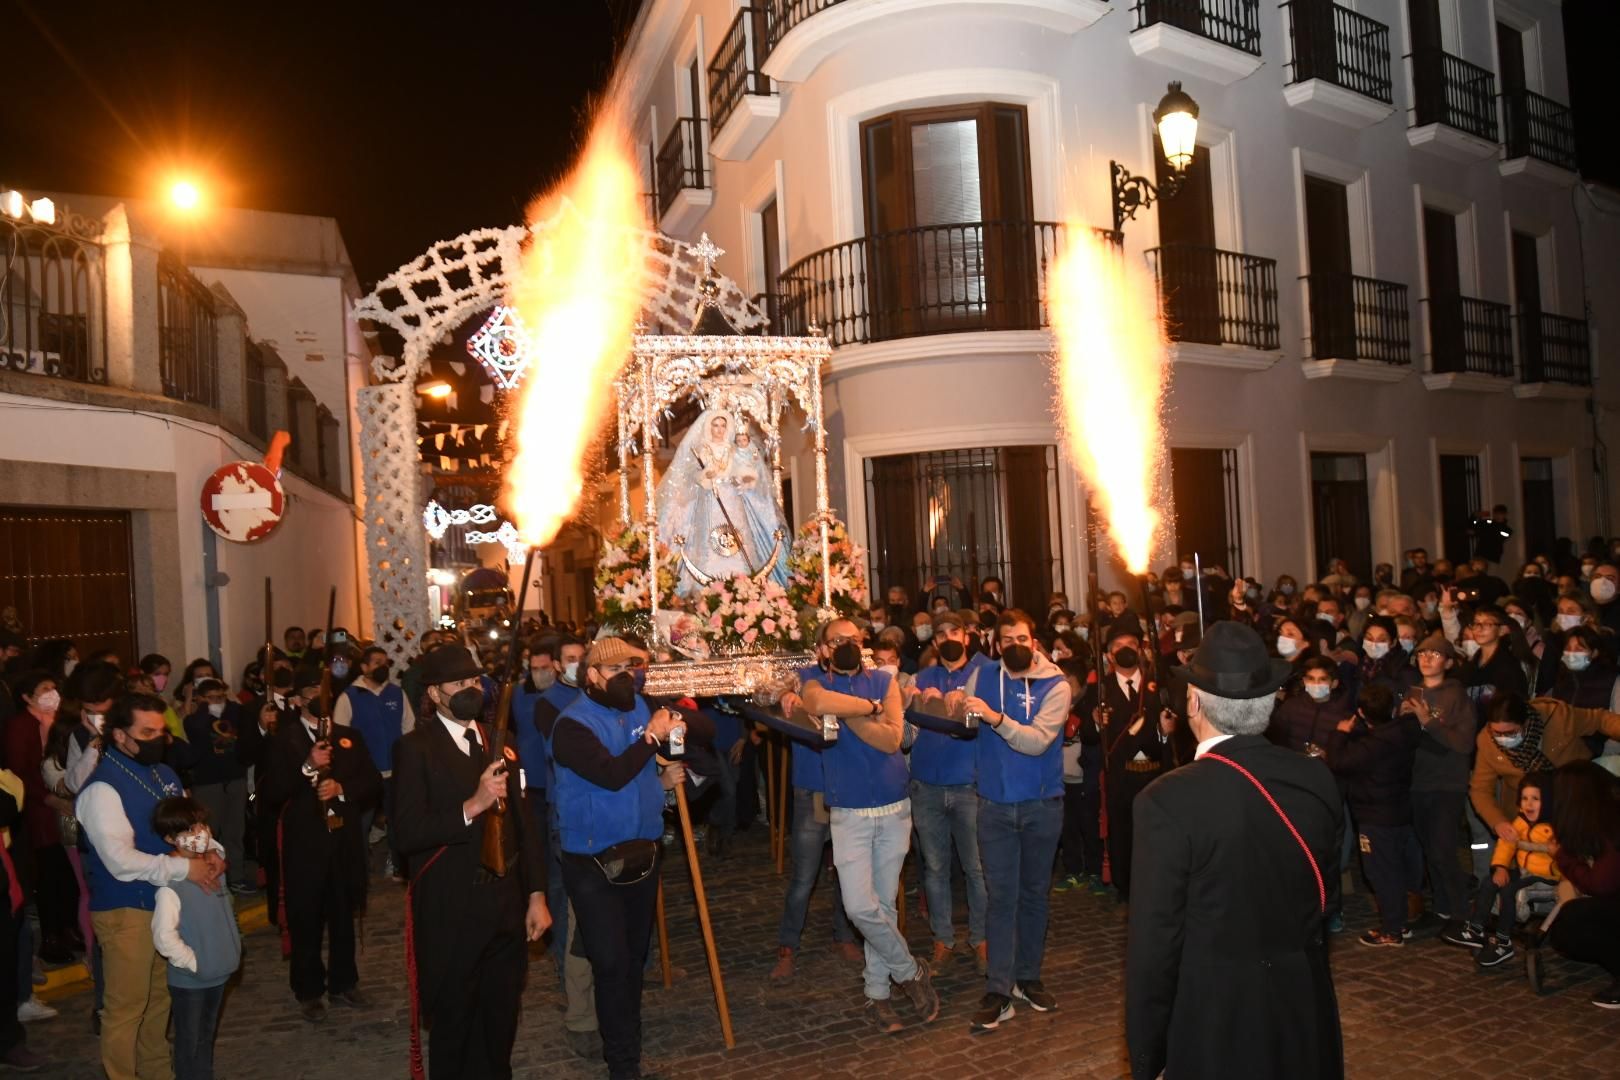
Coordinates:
[703,917]
[782,788]
[770,791]
[663,937]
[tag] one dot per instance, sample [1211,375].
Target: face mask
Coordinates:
[1509,742]
[96,720]
[1531,575]
[1252,592]
[1577,661]
[196,842]
[1127,658]
[1363,603]
[1017,658]
[380,673]
[1520,619]
[925,631]
[1376,650]
[951,651]
[216,709]
[1286,590]
[466,704]
[49,701]
[878,626]
[1602,590]
[892,669]
[1286,647]
[543,678]
[571,673]
[941,608]
[1408,644]
[620,692]
[1318,692]
[1061,628]
[340,669]
[281,679]
[846,658]
[149,751]
[68,666]
[1430,607]
[1587,568]
[1470,647]
[1085,633]
[1188,573]
[159,681]
[1567,622]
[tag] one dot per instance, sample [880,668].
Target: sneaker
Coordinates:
[992,1011]
[851,952]
[1035,995]
[1068,882]
[1494,953]
[943,954]
[1096,886]
[243,888]
[784,964]
[1467,936]
[584,1044]
[920,989]
[313,1010]
[352,997]
[34,1009]
[1608,999]
[883,1015]
[21,1059]
[1406,933]
[1335,923]
[1377,938]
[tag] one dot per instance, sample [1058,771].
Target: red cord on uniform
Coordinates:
[281,885]
[410,969]
[1321,889]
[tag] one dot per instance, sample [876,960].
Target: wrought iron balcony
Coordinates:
[934,279]
[1538,127]
[188,343]
[1216,297]
[1451,91]
[1340,46]
[1469,335]
[52,303]
[735,71]
[1229,22]
[1359,318]
[1553,348]
[679,163]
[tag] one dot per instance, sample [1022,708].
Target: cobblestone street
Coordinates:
[1422,1011]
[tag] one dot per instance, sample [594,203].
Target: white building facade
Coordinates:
[1372,273]
[140,354]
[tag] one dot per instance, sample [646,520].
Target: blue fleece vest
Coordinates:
[140,788]
[857,776]
[937,758]
[807,768]
[208,926]
[1005,775]
[531,747]
[591,819]
[380,719]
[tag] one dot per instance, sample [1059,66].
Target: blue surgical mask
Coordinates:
[1409,644]
[1577,661]
[340,669]
[1509,742]
[1318,692]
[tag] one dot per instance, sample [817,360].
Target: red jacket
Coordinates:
[1602,878]
[24,754]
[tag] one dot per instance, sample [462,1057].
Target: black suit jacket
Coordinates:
[308,848]
[1227,969]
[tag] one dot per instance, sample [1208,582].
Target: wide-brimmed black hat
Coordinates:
[1126,625]
[1232,662]
[448,664]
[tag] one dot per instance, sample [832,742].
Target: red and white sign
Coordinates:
[243,501]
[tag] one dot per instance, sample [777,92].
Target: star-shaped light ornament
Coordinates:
[502,346]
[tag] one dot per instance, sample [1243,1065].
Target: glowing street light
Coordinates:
[12,203]
[43,210]
[185,195]
[436,390]
[1176,119]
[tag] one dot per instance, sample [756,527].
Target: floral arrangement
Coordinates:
[741,615]
[621,574]
[846,566]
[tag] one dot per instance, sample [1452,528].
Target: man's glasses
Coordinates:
[843,639]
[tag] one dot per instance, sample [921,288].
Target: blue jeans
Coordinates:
[809,840]
[557,902]
[196,1017]
[1393,863]
[868,853]
[1017,843]
[943,815]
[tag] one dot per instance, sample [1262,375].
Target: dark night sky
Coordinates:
[408,122]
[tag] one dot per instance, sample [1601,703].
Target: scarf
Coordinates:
[1527,756]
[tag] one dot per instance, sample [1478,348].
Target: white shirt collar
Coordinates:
[1128,682]
[457,734]
[1209,744]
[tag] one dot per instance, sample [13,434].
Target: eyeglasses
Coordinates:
[842,639]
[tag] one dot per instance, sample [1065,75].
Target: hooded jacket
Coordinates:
[1022,757]
[1494,786]
[1375,762]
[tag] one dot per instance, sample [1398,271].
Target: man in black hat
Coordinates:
[309,778]
[471,927]
[1227,967]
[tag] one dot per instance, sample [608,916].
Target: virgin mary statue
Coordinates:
[716,506]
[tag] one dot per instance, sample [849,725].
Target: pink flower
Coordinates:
[740,625]
[715,621]
[794,633]
[750,637]
[769,626]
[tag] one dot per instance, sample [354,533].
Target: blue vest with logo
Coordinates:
[937,758]
[857,776]
[380,719]
[140,788]
[591,818]
[1005,775]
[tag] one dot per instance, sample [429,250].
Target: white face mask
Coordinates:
[1520,619]
[1363,603]
[216,709]
[1061,628]
[96,720]
[1376,650]
[1318,692]
[1325,616]
[197,841]
[1470,647]
[1286,647]
[49,701]
[925,631]
[1085,632]
[1567,622]
[68,665]
[571,673]
[878,626]
[892,669]
[1602,590]
[1577,661]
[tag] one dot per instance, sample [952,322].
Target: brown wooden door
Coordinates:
[1444,280]
[1187,263]
[1327,243]
[67,574]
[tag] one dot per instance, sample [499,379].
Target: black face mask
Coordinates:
[466,705]
[281,679]
[846,658]
[1127,658]
[620,692]
[1017,658]
[149,751]
[380,673]
[950,651]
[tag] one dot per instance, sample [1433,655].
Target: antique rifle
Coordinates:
[492,852]
[323,726]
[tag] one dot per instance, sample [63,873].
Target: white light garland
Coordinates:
[437,520]
[502,346]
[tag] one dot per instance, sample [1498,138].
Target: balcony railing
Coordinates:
[187,341]
[1469,335]
[1553,348]
[1340,46]
[1451,91]
[253,376]
[1538,127]
[680,162]
[1358,318]
[783,15]
[736,68]
[1230,22]
[1216,297]
[52,303]
[934,279]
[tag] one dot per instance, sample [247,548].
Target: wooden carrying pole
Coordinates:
[663,937]
[703,917]
[770,795]
[782,789]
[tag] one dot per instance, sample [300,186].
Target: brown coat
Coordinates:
[1494,788]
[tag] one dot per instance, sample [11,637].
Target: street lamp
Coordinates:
[185,195]
[437,390]
[1177,121]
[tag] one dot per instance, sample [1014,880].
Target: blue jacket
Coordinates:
[1007,775]
[591,819]
[937,758]
[858,776]
[379,718]
[140,788]
[531,747]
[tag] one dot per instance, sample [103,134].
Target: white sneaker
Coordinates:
[35,1009]
[376,835]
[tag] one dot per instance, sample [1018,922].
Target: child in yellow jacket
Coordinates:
[1515,865]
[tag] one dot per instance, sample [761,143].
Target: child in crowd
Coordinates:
[1082,792]
[1515,866]
[195,930]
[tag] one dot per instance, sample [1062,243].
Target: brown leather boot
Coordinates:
[942,955]
[784,964]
